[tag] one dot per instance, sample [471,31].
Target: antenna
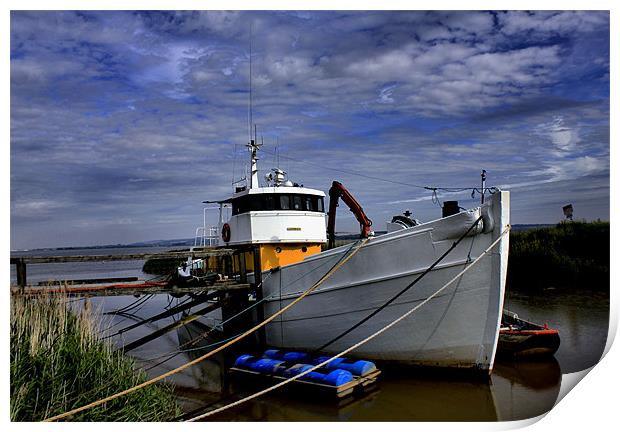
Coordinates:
[483,180]
[234,160]
[250,120]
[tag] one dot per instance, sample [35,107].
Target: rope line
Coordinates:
[203,335]
[130,306]
[339,264]
[404,290]
[491,190]
[360,343]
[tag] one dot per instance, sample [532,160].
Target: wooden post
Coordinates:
[21,272]
[243,273]
[258,288]
[235,302]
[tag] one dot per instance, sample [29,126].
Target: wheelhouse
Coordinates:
[277,201]
[282,222]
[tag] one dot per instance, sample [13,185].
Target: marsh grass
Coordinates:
[58,363]
[160,266]
[568,255]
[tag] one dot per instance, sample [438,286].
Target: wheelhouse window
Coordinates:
[285,202]
[269,202]
[266,202]
[319,206]
[308,204]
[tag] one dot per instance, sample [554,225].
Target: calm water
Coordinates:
[84,270]
[515,390]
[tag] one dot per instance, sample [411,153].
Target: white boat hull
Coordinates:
[458,328]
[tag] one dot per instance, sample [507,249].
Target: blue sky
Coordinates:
[122,123]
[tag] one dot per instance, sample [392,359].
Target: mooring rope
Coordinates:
[172,354]
[404,290]
[130,306]
[345,258]
[204,335]
[360,343]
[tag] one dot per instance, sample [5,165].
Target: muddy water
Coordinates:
[514,391]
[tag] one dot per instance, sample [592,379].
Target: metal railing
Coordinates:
[201,239]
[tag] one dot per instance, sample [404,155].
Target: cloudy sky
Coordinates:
[123,122]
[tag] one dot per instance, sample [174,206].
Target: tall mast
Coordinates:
[253,143]
[253,147]
[250,120]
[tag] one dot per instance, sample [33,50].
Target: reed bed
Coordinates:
[59,363]
[568,255]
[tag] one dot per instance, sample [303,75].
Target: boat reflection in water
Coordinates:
[525,389]
[514,391]
[209,381]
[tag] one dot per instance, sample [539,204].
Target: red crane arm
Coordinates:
[336,192]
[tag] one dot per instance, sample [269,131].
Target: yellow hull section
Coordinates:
[283,254]
[277,255]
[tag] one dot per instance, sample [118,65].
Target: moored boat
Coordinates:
[281,227]
[522,338]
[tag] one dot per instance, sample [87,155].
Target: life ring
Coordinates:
[226,233]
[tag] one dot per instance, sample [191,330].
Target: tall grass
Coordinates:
[569,255]
[58,363]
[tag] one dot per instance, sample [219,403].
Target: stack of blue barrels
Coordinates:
[289,364]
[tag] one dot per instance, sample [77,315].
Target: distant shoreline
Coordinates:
[190,241]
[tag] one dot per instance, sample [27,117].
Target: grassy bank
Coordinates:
[161,266]
[58,363]
[569,255]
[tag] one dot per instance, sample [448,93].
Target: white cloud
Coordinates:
[563,137]
[220,21]
[34,207]
[569,169]
[293,68]
[387,66]
[385,95]
[30,71]
[516,22]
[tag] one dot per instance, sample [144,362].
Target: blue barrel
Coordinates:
[332,364]
[336,377]
[299,368]
[290,356]
[267,366]
[272,353]
[244,360]
[360,367]
[262,365]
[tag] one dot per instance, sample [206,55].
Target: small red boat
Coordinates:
[521,338]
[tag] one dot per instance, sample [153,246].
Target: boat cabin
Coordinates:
[287,223]
[282,220]
[276,215]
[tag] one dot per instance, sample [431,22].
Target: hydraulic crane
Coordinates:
[336,192]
